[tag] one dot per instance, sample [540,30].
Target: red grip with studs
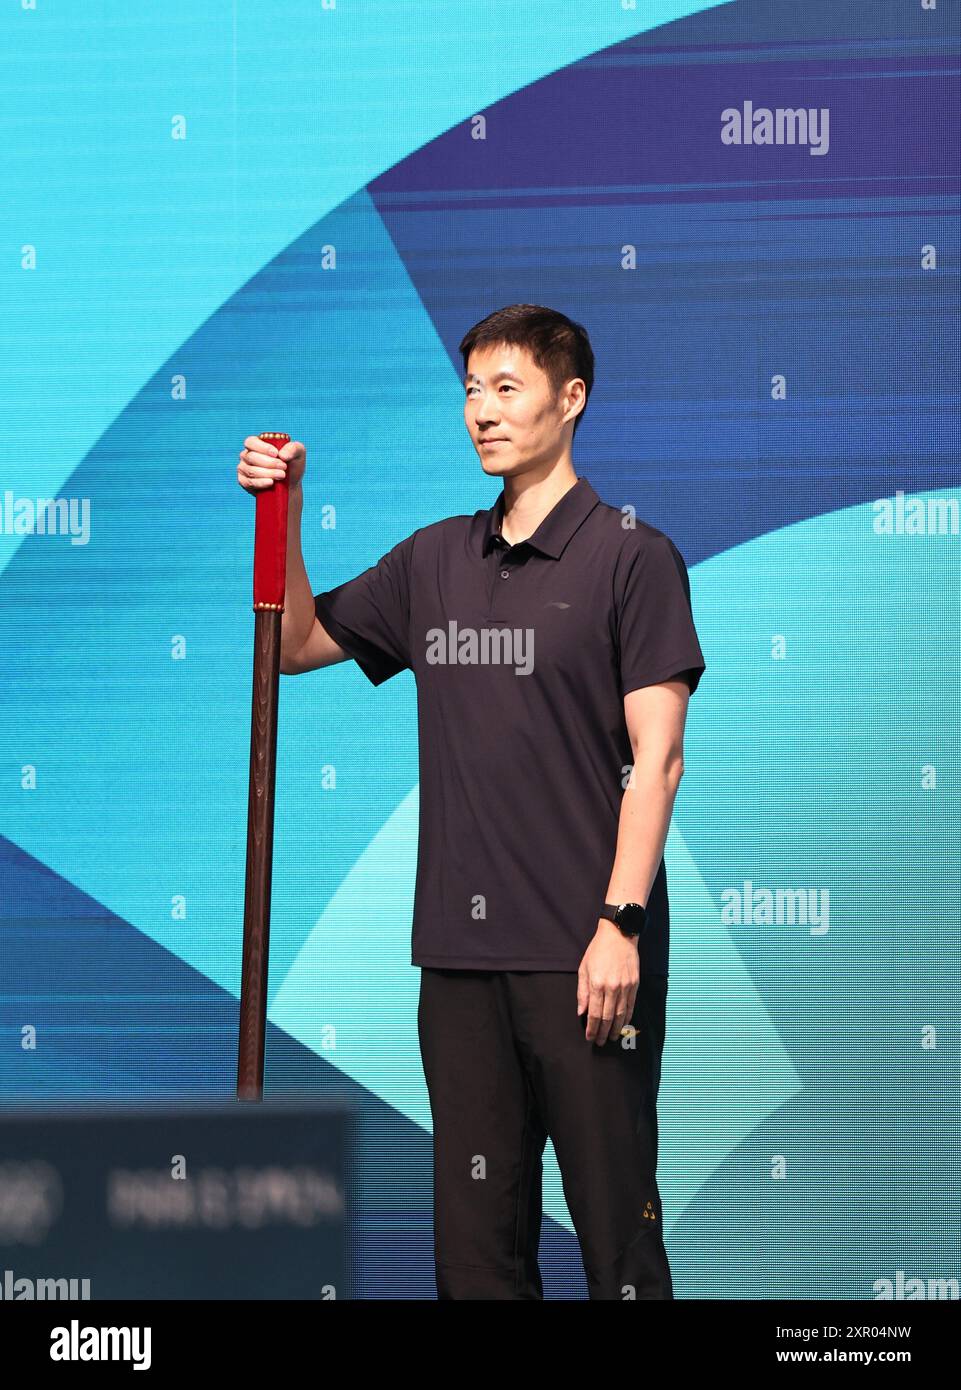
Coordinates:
[270,537]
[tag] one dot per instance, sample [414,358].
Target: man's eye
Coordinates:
[506,387]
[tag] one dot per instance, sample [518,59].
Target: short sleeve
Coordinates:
[369,616]
[656,637]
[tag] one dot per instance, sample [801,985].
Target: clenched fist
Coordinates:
[260,463]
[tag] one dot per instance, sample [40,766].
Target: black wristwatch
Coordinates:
[629,918]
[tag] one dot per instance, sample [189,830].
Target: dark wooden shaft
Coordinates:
[260,838]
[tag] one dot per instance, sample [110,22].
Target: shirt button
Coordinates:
[505,574]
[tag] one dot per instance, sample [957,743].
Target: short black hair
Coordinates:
[559,346]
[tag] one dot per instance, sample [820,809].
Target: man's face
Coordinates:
[508,398]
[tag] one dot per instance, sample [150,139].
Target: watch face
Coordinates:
[631,917]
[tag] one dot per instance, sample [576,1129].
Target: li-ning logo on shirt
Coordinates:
[485,646]
[556,603]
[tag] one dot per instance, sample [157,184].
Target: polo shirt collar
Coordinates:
[557,527]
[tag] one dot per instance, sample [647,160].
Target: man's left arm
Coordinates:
[609,973]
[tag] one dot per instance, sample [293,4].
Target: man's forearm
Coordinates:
[646,809]
[298,616]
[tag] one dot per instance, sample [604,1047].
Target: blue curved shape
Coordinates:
[246,135]
[150,639]
[705,271]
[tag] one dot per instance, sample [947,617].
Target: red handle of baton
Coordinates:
[270,538]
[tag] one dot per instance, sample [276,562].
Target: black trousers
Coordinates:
[507,1064]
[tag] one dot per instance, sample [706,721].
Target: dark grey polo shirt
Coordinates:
[522,656]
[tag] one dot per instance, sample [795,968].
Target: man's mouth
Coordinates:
[496,440]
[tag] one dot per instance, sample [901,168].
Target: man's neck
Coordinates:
[527,502]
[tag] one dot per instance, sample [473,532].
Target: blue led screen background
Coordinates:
[224,219]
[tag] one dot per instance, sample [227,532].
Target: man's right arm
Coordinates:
[305,644]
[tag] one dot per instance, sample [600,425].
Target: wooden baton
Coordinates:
[270,582]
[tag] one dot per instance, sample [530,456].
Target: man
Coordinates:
[554,650]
